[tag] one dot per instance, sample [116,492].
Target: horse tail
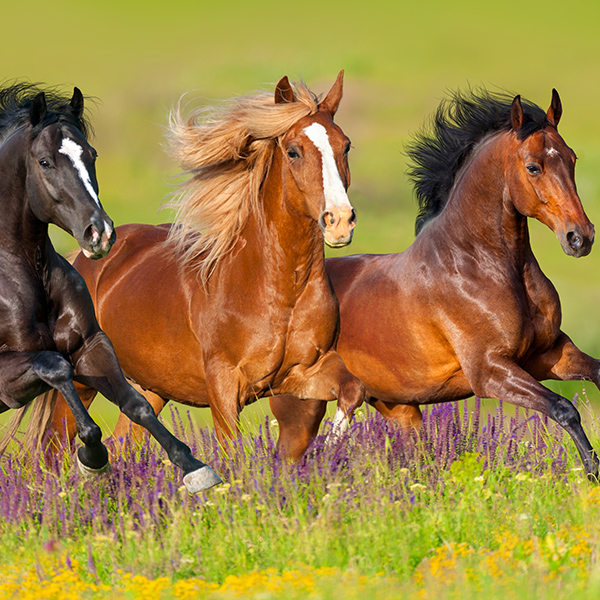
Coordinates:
[41,417]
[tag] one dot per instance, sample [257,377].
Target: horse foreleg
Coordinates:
[299,422]
[503,379]
[63,427]
[565,362]
[125,428]
[405,415]
[97,366]
[224,394]
[330,380]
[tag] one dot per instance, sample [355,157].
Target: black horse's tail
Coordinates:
[41,417]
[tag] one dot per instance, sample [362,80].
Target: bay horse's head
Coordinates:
[545,177]
[61,177]
[315,153]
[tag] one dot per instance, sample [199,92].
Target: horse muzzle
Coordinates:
[338,227]
[98,239]
[578,242]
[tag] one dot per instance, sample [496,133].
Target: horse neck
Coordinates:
[288,243]
[480,212]
[21,232]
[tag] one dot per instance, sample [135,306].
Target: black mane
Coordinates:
[15,102]
[458,125]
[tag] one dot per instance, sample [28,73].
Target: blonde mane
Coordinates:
[226,152]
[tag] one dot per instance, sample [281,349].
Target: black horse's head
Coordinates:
[61,176]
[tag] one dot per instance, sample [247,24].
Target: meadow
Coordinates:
[474,504]
[479,504]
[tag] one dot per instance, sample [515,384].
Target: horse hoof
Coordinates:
[89,471]
[201,479]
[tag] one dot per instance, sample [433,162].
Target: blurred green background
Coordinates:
[400,58]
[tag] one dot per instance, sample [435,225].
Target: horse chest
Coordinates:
[285,340]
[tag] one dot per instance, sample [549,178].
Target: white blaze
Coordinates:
[552,151]
[333,188]
[74,151]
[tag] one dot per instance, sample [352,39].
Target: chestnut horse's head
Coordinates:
[315,154]
[545,178]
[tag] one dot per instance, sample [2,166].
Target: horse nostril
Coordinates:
[352,219]
[574,240]
[92,234]
[326,219]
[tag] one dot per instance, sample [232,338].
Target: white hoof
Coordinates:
[89,472]
[201,479]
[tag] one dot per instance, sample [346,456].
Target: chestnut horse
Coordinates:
[466,308]
[232,302]
[49,335]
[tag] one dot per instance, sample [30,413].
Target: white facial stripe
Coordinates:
[552,151]
[333,188]
[74,151]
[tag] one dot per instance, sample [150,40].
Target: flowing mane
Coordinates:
[226,152]
[458,125]
[15,102]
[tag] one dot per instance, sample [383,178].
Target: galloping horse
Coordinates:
[466,308]
[232,303]
[49,335]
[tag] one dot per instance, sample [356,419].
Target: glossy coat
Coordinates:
[49,335]
[265,323]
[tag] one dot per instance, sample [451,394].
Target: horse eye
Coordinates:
[44,164]
[534,169]
[348,146]
[293,153]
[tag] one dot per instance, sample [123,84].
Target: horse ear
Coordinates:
[516,113]
[332,100]
[37,110]
[284,92]
[76,103]
[555,111]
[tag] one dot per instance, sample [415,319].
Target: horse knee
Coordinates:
[138,409]
[352,395]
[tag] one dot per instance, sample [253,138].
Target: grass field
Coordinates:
[473,505]
[137,58]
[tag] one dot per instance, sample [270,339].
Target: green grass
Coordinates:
[454,513]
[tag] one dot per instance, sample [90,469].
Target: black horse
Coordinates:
[49,335]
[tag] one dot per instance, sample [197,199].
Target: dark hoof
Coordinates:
[89,471]
[97,466]
[201,479]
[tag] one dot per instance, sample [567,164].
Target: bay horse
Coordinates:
[466,308]
[231,303]
[49,335]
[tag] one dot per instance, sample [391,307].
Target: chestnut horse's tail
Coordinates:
[41,417]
